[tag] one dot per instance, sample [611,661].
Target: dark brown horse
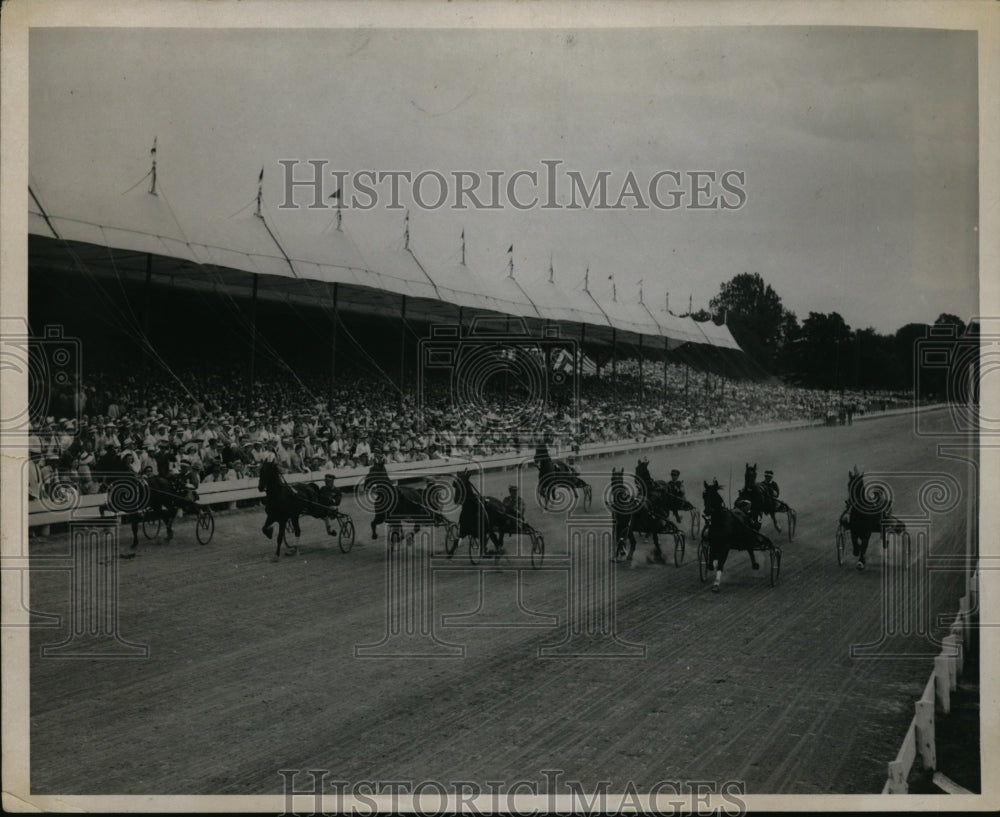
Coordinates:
[395,504]
[555,475]
[760,498]
[728,530]
[868,512]
[631,513]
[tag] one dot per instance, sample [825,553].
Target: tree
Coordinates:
[947,319]
[821,354]
[906,345]
[755,315]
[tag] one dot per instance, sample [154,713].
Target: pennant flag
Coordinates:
[510,248]
[335,194]
[260,178]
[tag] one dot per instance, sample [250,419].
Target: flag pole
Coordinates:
[152,184]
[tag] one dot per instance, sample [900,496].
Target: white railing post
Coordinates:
[942,682]
[924,721]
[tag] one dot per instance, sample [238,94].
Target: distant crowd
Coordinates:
[203,424]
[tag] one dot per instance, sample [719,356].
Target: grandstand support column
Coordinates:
[547,351]
[614,358]
[333,342]
[666,348]
[579,355]
[253,340]
[642,386]
[402,346]
[145,303]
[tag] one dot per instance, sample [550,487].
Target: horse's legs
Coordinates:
[862,549]
[281,538]
[134,522]
[295,526]
[168,520]
[753,558]
[717,564]
[777,527]
[375,522]
[658,557]
[268,528]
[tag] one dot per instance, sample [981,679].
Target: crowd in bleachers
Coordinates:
[202,423]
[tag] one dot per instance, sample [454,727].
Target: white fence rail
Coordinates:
[919,742]
[42,514]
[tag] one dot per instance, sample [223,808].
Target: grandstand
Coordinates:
[137,243]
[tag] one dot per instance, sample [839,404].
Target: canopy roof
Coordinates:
[112,233]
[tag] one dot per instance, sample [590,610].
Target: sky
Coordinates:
[858,146]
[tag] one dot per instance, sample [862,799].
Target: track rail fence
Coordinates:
[44,513]
[919,743]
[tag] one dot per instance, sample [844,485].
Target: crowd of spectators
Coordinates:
[202,422]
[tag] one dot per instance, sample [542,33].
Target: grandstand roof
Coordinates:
[111,233]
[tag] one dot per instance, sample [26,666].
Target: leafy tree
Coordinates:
[905,342]
[947,319]
[755,315]
[823,351]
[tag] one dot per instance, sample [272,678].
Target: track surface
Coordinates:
[252,665]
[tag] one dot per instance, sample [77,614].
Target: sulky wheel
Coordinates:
[841,543]
[451,538]
[695,523]
[345,538]
[775,554]
[792,520]
[205,525]
[537,549]
[679,542]
[703,560]
[588,497]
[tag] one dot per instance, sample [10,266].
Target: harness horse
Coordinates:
[763,502]
[485,519]
[155,501]
[395,504]
[661,495]
[726,530]
[284,504]
[558,475]
[868,511]
[637,512]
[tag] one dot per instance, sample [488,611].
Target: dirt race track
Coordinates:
[252,665]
